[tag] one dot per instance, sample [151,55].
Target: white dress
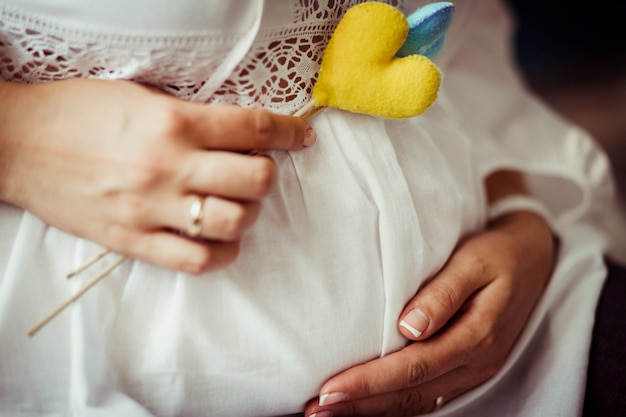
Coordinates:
[355,225]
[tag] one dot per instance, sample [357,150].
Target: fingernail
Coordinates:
[415,322]
[322,414]
[310,137]
[332,398]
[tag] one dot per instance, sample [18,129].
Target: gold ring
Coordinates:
[194,228]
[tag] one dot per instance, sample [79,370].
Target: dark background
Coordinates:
[573,55]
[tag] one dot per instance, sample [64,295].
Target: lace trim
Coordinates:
[277,73]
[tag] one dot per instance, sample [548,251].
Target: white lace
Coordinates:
[277,73]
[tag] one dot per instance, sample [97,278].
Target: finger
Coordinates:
[434,304]
[236,128]
[220,219]
[468,343]
[407,368]
[422,399]
[228,220]
[175,252]
[227,174]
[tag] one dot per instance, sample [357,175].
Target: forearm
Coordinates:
[504,183]
[27,114]
[9,108]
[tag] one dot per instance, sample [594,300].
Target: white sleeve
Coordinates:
[563,166]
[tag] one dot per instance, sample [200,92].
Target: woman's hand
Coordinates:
[121,164]
[469,315]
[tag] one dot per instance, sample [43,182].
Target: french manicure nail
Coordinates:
[309,137]
[415,322]
[322,414]
[332,398]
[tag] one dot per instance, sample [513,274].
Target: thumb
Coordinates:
[442,297]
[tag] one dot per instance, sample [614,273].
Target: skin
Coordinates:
[120,164]
[475,308]
[129,164]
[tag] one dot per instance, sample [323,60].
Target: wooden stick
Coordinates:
[309,110]
[76,296]
[88,263]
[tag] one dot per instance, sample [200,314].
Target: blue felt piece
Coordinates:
[427,30]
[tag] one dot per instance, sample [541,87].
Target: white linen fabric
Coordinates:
[355,225]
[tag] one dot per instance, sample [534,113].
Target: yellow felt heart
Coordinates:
[360,73]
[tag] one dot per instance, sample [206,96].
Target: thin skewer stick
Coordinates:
[76,296]
[309,110]
[88,263]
